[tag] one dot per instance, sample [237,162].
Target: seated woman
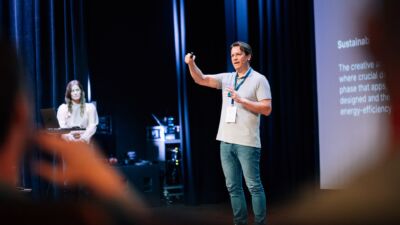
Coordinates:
[75,112]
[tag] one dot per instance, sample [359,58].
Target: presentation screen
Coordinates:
[353,104]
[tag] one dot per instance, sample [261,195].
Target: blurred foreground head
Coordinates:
[373,197]
[10,78]
[383,28]
[14,113]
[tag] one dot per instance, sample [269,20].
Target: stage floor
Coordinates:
[219,213]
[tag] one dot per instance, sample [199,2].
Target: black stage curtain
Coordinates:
[50,40]
[290,134]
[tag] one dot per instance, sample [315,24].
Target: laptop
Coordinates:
[49,118]
[50,122]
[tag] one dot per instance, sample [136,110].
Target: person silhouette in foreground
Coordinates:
[111,200]
[373,197]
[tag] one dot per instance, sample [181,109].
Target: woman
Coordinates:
[75,112]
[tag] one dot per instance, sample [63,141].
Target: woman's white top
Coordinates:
[88,120]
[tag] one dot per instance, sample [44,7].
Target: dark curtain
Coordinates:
[50,40]
[283,36]
[206,38]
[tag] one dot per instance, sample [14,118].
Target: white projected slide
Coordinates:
[352,101]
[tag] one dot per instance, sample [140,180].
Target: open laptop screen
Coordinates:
[50,121]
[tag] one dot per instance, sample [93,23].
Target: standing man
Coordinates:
[245,95]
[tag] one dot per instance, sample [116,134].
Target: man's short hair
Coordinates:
[243,46]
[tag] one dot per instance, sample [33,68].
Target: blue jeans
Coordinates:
[237,160]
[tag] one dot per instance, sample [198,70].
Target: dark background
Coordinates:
[131,62]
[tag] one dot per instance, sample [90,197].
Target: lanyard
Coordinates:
[237,86]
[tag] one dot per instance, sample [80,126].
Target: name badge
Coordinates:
[230,116]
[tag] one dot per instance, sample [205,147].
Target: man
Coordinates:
[373,197]
[245,96]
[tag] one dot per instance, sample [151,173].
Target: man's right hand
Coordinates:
[189,58]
